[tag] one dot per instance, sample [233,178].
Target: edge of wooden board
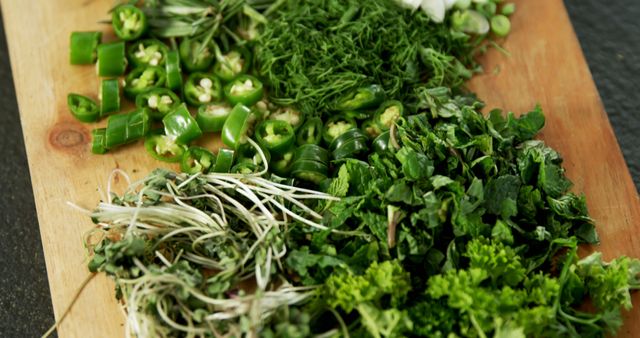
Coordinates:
[61,166]
[62,169]
[555,75]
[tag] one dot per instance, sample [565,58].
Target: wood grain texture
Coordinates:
[61,166]
[545,66]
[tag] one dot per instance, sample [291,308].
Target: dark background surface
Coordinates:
[608,32]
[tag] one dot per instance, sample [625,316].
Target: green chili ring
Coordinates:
[159,101]
[109,96]
[294,117]
[83,47]
[361,98]
[350,149]
[312,152]
[163,148]
[111,59]
[195,57]
[173,70]
[348,136]
[211,117]
[245,168]
[129,22]
[197,160]
[249,153]
[371,129]
[359,114]
[244,89]
[181,126]
[275,135]
[232,64]
[149,52]
[310,171]
[202,88]
[83,108]
[388,113]
[281,165]
[224,160]
[310,132]
[234,131]
[142,79]
[336,126]
[98,139]
[381,143]
[126,128]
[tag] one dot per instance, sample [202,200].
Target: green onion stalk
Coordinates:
[201,253]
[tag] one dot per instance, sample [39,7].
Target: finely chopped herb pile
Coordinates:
[312,52]
[361,192]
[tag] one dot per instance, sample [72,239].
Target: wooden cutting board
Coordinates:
[545,66]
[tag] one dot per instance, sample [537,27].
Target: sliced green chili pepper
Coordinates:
[164,148]
[244,89]
[248,153]
[388,113]
[129,22]
[487,8]
[202,88]
[349,145]
[336,126]
[98,141]
[181,126]
[311,152]
[350,149]
[111,59]
[109,96]
[508,9]
[197,160]
[294,117]
[142,79]
[359,114]
[194,56]
[500,25]
[211,117]
[381,143]
[83,108]
[231,65]
[261,110]
[149,52]
[125,128]
[245,168]
[310,132]
[174,71]
[469,21]
[234,130]
[160,101]
[371,129]
[281,165]
[348,136]
[275,135]
[83,47]
[362,98]
[224,160]
[311,171]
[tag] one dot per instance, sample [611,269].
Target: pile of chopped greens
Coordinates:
[463,226]
[311,52]
[477,220]
[360,192]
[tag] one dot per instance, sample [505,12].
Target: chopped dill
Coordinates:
[311,52]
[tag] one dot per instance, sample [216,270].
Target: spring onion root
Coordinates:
[215,240]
